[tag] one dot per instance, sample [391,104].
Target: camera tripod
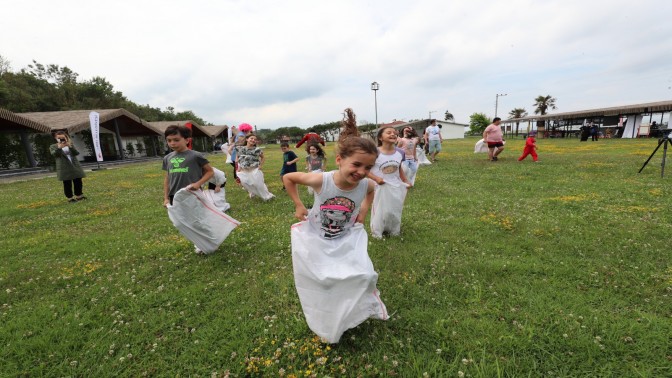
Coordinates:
[664,140]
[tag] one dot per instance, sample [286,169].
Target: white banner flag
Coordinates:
[94,120]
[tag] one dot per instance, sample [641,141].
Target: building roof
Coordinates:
[215,131]
[77,120]
[196,129]
[10,121]
[649,107]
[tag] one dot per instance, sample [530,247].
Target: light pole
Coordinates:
[430,113]
[497,96]
[374,87]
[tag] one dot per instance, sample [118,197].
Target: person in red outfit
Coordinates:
[311,137]
[530,147]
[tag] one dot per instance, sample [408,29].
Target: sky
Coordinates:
[275,63]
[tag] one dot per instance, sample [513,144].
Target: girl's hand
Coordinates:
[380,181]
[301,213]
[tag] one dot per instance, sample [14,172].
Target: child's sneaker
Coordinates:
[198,251]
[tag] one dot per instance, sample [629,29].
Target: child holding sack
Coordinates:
[188,208]
[249,160]
[316,161]
[216,192]
[333,273]
[392,185]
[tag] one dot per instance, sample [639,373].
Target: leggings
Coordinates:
[68,184]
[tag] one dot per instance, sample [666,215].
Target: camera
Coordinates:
[61,140]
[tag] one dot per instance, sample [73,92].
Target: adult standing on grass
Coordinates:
[68,168]
[594,132]
[433,139]
[492,135]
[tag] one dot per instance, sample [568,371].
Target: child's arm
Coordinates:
[368,200]
[207,175]
[324,165]
[293,161]
[166,197]
[376,179]
[290,180]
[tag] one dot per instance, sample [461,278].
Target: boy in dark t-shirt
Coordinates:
[184,168]
[289,160]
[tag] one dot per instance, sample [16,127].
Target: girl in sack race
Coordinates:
[392,185]
[316,161]
[407,143]
[250,159]
[333,274]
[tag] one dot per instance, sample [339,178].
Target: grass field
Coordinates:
[556,269]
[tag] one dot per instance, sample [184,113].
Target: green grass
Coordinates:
[507,269]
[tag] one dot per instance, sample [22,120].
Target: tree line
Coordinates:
[50,87]
[46,88]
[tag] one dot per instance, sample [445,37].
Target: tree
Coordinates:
[5,65]
[449,116]
[370,129]
[542,104]
[517,113]
[478,122]
[328,131]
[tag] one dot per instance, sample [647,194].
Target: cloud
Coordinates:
[300,62]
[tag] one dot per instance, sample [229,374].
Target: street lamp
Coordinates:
[497,96]
[374,87]
[430,113]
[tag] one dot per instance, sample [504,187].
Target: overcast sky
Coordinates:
[300,63]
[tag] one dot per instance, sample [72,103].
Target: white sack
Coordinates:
[311,191]
[388,203]
[480,146]
[335,280]
[410,168]
[199,220]
[253,181]
[225,149]
[218,199]
[422,158]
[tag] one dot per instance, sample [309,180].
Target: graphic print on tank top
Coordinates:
[335,214]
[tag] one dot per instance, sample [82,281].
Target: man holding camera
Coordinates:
[68,168]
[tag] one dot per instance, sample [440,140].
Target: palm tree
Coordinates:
[449,116]
[517,113]
[542,104]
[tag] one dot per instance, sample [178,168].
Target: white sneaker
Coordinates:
[198,251]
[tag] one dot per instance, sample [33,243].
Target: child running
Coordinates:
[184,168]
[289,160]
[333,273]
[250,160]
[530,147]
[316,161]
[216,192]
[408,143]
[392,185]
